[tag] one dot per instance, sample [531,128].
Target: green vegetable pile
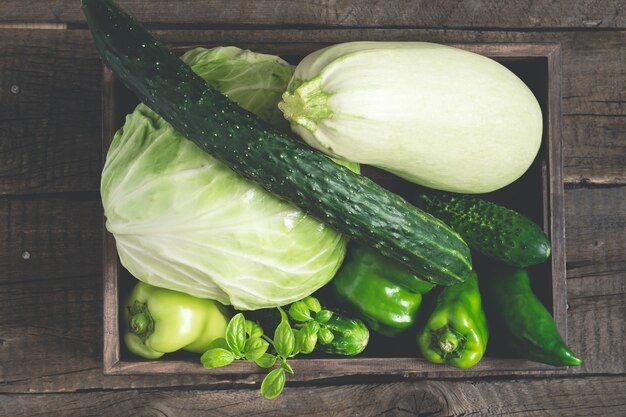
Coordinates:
[231,223]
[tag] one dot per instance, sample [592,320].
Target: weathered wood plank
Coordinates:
[52,238]
[594,227]
[590,396]
[49,112]
[51,329]
[596,272]
[594,149]
[341,13]
[50,129]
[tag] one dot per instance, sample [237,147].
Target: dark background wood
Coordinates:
[51,302]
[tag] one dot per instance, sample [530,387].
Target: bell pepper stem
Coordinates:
[141,322]
[448,342]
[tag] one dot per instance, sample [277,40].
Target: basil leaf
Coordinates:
[266,360]
[299,311]
[236,334]
[253,329]
[326,336]
[312,303]
[255,348]
[296,345]
[306,339]
[220,342]
[284,339]
[323,316]
[273,383]
[313,327]
[214,358]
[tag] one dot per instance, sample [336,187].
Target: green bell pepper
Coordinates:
[524,325]
[376,289]
[456,332]
[160,321]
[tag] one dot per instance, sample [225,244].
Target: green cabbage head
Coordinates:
[184,221]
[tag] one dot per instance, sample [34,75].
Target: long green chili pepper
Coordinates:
[524,325]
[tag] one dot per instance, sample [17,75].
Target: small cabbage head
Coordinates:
[184,221]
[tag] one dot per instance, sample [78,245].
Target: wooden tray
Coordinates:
[538,194]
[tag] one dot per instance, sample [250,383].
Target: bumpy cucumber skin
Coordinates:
[493,230]
[280,163]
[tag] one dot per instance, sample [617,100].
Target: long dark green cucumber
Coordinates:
[493,230]
[280,163]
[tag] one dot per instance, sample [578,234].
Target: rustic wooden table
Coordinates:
[50,212]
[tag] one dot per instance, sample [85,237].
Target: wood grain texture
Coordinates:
[596,272]
[49,328]
[49,112]
[592,253]
[53,238]
[341,13]
[594,148]
[590,396]
[50,130]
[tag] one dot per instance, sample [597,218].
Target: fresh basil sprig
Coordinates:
[243,340]
[310,318]
[246,340]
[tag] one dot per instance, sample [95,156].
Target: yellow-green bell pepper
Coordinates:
[160,321]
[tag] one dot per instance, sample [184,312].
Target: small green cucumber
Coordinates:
[493,230]
[350,336]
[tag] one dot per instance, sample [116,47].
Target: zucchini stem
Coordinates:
[306,105]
